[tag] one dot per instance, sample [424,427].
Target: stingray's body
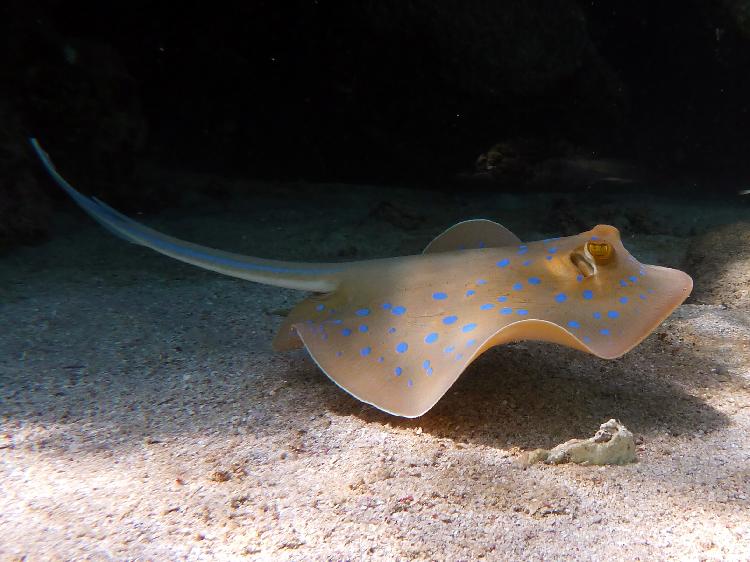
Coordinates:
[397,333]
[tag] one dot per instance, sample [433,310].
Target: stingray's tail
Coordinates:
[293,275]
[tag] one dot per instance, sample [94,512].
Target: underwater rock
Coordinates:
[493,58]
[77,93]
[24,206]
[612,444]
[739,13]
[88,105]
[545,166]
[84,101]
[519,47]
[719,262]
[509,162]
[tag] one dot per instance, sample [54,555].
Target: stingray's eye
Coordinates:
[602,252]
[594,253]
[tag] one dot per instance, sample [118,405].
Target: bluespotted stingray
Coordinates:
[397,332]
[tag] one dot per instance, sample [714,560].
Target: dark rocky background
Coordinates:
[441,94]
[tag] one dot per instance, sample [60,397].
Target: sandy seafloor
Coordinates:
[144,415]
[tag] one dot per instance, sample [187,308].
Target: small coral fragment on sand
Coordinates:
[612,444]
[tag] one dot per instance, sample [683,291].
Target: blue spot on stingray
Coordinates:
[552,250]
[397,371]
[527,263]
[398,310]
[518,286]
[402,347]
[503,262]
[633,278]
[471,343]
[623,283]
[586,339]
[426,364]
[481,244]
[604,332]
[459,356]
[506,311]
[337,321]
[449,349]
[365,351]
[487,306]
[623,300]
[642,296]
[346,332]
[339,354]
[595,238]
[468,327]
[534,280]
[429,371]
[481,281]
[548,258]
[502,299]
[597,315]
[381,359]
[391,330]
[431,338]
[588,295]
[450,319]
[522,312]
[439,296]
[522,250]
[573,324]
[363,312]
[470,292]
[410,383]
[579,277]
[613,314]
[562,297]
[363,328]
[387,305]
[320,307]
